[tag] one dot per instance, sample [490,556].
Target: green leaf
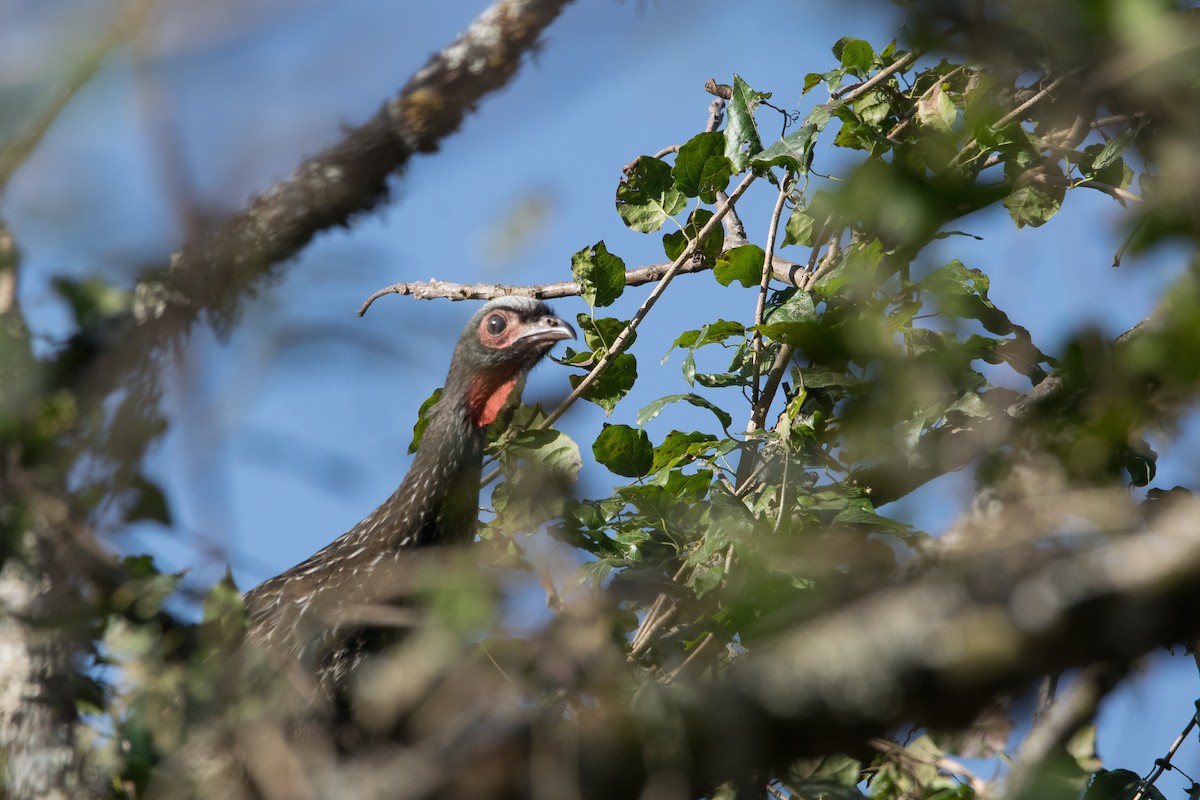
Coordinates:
[1119,784]
[654,409]
[647,197]
[600,332]
[680,447]
[712,333]
[817,378]
[674,244]
[149,502]
[962,292]
[811,80]
[1116,146]
[423,419]
[936,109]
[741,132]
[793,152]
[224,612]
[799,228]
[873,108]
[743,264]
[624,450]
[613,384]
[1140,461]
[600,274]
[222,599]
[798,308]
[701,167]
[92,300]
[551,450]
[854,53]
[826,789]
[1037,194]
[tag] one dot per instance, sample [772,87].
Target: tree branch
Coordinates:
[212,273]
[625,336]
[785,271]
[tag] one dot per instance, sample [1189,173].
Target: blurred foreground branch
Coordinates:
[929,651]
[212,274]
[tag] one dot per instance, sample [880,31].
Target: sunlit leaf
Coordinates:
[647,197]
[600,274]
[701,167]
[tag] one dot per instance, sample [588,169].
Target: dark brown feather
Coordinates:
[325,610]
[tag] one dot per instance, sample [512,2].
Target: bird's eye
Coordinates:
[496,324]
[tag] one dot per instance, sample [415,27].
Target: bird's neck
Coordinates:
[438,500]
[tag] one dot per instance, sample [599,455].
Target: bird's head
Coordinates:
[502,342]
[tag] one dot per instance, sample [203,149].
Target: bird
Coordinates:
[307,613]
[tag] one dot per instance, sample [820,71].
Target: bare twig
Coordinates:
[623,338]
[661,612]
[852,93]
[696,660]
[716,113]
[904,123]
[666,151]
[720,90]
[1014,115]
[212,272]
[434,289]
[1163,764]
[828,263]
[756,341]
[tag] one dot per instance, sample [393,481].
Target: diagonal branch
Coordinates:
[327,190]
[626,335]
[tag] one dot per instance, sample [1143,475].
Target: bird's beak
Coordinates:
[546,329]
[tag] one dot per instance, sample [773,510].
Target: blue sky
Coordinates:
[292,430]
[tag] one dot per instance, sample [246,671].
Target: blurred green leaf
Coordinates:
[149,502]
[936,109]
[1119,784]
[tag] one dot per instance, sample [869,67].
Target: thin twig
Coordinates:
[652,622]
[1163,764]
[756,341]
[434,289]
[852,93]
[623,338]
[1012,116]
[900,126]
[827,264]
[694,659]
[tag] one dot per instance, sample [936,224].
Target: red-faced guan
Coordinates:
[307,612]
